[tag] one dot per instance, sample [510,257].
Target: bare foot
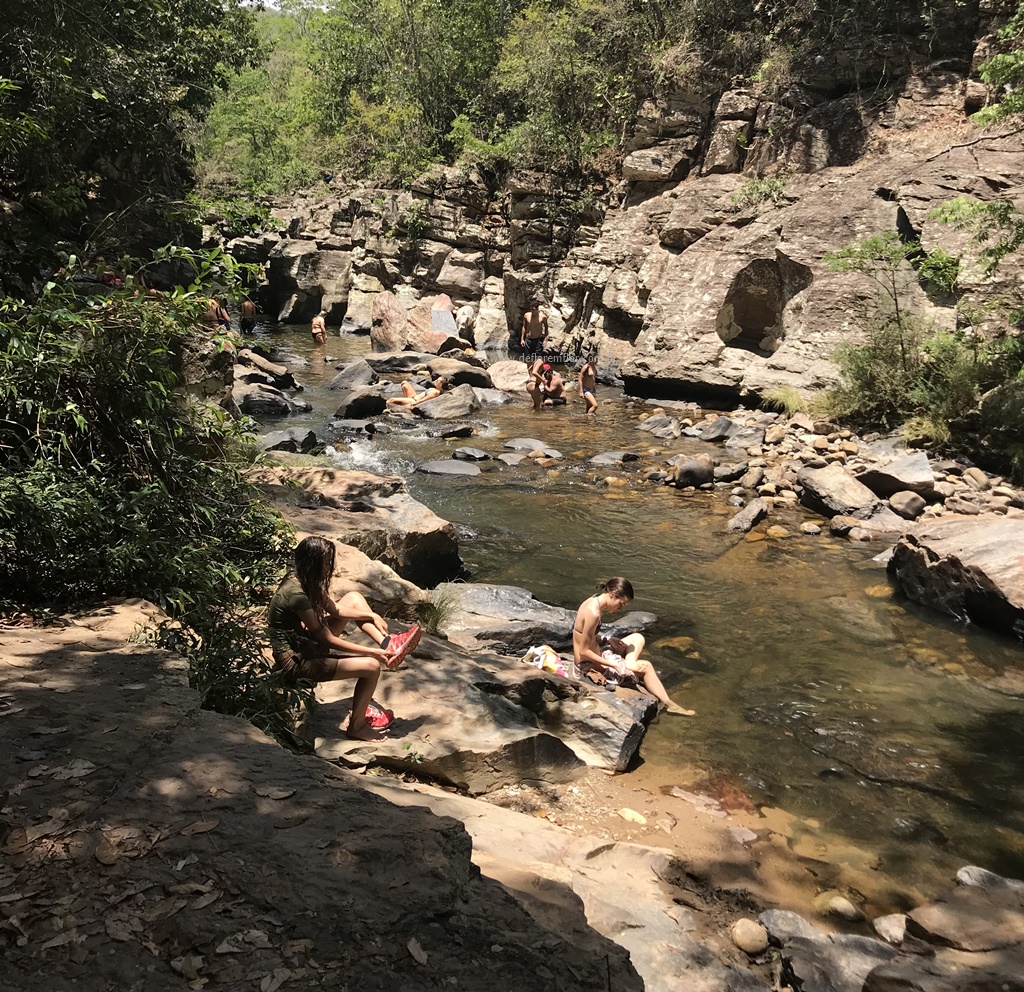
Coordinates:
[364,733]
[676,710]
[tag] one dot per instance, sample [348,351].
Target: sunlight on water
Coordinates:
[820,691]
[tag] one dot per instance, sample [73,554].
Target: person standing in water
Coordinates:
[534,330]
[247,320]
[588,384]
[304,625]
[319,328]
[620,656]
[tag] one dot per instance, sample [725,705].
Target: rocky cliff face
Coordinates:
[691,274]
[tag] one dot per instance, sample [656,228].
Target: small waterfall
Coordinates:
[365,456]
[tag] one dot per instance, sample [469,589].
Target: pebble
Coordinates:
[777,532]
[749,936]
[809,528]
[891,928]
[632,816]
[833,903]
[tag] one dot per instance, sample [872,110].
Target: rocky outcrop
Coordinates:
[970,567]
[372,513]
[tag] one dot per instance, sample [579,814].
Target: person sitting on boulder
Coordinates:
[305,626]
[413,397]
[545,386]
[621,657]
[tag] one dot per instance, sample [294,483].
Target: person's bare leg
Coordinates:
[591,400]
[408,390]
[353,606]
[366,672]
[637,643]
[535,395]
[649,677]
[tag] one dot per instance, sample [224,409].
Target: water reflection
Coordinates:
[820,692]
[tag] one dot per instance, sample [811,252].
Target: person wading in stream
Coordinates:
[305,625]
[619,657]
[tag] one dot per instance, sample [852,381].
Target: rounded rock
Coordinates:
[749,936]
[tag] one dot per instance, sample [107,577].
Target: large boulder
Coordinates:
[359,402]
[299,440]
[511,376]
[969,567]
[455,404]
[911,473]
[830,491]
[373,513]
[460,372]
[260,400]
[699,471]
[357,373]
[277,374]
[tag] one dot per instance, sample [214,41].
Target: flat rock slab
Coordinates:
[468,454]
[480,721]
[391,362]
[621,888]
[833,964]
[950,971]
[971,919]
[449,466]
[190,842]
[969,567]
[295,439]
[613,458]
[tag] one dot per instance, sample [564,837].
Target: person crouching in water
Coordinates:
[545,387]
[305,624]
[621,656]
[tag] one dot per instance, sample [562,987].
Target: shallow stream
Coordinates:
[857,722]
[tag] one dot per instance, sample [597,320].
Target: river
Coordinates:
[860,720]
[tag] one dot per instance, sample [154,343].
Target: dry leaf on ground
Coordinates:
[416,951]
[199,827]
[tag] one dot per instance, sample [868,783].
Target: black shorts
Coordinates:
[247,324]
[533,346]
[556,400]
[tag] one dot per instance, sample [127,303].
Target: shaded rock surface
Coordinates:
[202,847]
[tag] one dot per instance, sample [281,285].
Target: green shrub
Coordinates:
[754,192]
[788,399]
[435,614]
[112,483]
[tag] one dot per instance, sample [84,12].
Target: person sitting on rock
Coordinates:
[413,397]
[305,624]
[619,657]
[546,386]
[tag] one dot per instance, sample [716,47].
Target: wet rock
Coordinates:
[459,430]
[278,375]
[746,437]
[755,510]
[260,400]
[613,458]
[836,904]
[455,404]
[982,878]
[693,472]
[353,375]
[777,533]
[362,401]
[470,454]
[492,397]
[907,504]
[731,472]
[448,466]
[531,445]
[511,459]
[749,936]
[831,491]
[967,567]
[859,620]
[719,430]
[971,919]
[295,439]
[752,478]
[808,528]
[658,421]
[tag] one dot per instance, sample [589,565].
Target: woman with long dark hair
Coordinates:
[617,656]
[305,625]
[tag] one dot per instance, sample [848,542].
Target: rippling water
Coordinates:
[819,690]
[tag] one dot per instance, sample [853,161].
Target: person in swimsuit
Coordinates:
[247,322]
[612,596]
[304,625]
[534,330]
[588,384]
[411,397]
[319,328]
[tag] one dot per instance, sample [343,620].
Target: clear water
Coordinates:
[819,690]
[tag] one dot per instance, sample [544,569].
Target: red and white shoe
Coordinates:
[403,645]
[378,717]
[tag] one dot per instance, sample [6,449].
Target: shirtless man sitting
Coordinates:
[545,386]
[619,657]
[534,330]
[411,397]
[319,328]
